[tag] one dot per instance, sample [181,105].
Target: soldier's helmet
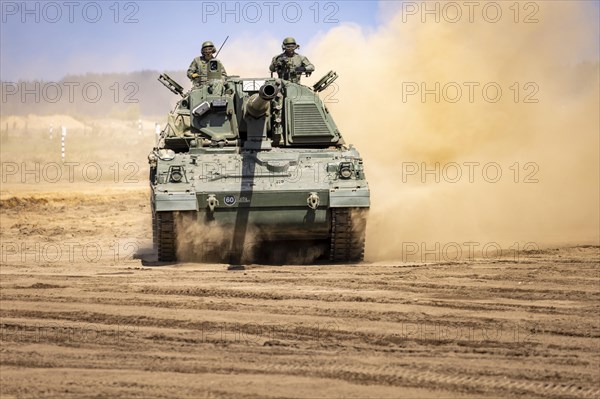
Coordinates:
[208,44]
[289,41]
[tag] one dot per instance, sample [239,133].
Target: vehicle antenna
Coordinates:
[216,55]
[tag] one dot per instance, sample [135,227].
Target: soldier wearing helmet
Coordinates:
[289,65]
[198,70]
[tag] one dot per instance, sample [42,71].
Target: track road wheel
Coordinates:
[166,237]
[348,228]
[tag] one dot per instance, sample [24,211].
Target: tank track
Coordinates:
[154,229]
[348,227]
[164,236]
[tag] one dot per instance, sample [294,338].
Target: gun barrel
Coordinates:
[258,104]
[267,92]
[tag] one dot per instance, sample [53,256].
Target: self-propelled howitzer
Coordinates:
[260,156]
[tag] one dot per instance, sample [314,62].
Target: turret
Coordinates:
[256,114]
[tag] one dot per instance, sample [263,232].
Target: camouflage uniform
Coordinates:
[297,60]
[199,65]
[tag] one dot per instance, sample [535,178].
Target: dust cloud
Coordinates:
[199,241]
[507,153]
[211,242]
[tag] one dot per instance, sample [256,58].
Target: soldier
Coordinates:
[198,70]
[289,65]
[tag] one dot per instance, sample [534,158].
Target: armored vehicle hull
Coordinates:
[245,165]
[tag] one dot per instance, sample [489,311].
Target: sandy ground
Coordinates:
[85,312]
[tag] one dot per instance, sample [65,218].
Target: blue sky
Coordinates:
[51,39]
[48,40]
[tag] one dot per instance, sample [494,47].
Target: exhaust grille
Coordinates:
[309,122]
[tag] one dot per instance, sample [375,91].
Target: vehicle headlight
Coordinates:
[176,174]
[346,169]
